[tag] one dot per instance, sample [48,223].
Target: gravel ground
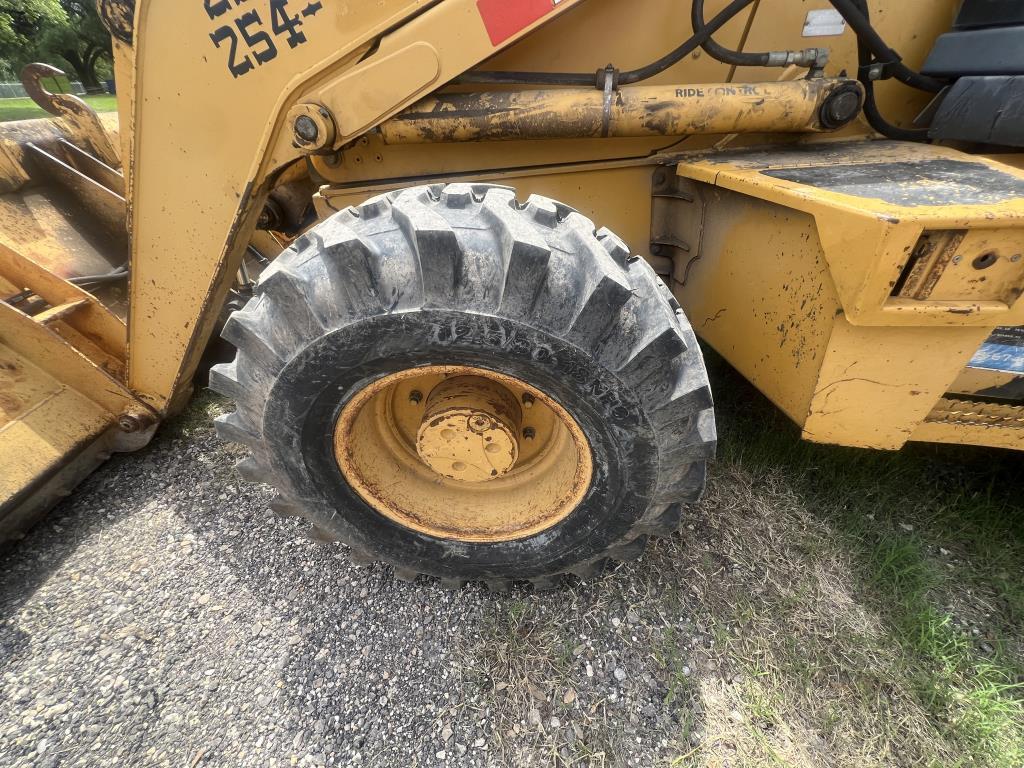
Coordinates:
[161,616]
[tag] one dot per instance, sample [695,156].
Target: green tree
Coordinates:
[81,41]
[21,22]
[65,33]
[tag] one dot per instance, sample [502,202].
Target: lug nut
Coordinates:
[415,397]
[527,400]
[529,433]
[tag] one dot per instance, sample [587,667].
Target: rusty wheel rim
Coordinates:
[463,453]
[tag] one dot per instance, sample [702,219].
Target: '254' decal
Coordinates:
[248,38]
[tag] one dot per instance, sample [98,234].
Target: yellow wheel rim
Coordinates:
[463,453]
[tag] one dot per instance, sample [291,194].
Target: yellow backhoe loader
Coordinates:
[456,243]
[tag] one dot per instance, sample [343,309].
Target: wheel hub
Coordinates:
[463,453]
[470,429]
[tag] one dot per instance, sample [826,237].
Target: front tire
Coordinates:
[521,304]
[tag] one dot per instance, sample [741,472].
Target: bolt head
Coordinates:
[529,433]
[306,130]
[1015,258]
[129,422]
[957,259]
[480,424]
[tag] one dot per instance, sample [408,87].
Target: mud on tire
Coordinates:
[463,274]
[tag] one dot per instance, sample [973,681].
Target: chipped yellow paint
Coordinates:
[470,429]
[867,241]
[227,136]
[396,442]
[823,295]
[666,110]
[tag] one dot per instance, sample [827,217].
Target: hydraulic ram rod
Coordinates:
[777,107]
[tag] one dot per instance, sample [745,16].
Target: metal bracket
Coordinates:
[610,77]
[82,119]
[677,219]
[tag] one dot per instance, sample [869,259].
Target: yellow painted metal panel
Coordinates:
[616,195]
[877,384]
[793,283]
[42,421]
[756,287]
[887,216]
[222,131]
[51,353]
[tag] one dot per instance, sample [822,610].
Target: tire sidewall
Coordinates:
[314,386]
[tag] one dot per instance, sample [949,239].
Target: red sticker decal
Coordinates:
[506,18]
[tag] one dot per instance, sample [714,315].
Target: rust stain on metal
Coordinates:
[634,111]
[379,436]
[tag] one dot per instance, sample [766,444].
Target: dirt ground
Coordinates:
[820,607]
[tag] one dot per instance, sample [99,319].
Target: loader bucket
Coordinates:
[64,249]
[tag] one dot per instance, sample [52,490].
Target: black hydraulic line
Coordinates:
[720,52]
[859,22]
[850,10]
[19,297]
[871,111]
[884,127]
[872,50]
[684,50]
[624,78]
[84,281]
[110,277]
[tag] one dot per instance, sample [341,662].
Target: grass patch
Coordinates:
[822,606]
[888,618]
[26,109]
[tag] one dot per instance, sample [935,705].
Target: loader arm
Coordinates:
[203,137]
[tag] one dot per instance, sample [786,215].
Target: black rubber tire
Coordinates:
[464,274]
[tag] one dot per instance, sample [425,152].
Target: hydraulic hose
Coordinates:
[850,10]
[684,50]
[813,58]
[624,78]
[871,111]
[866,35]
[120,273]
[884,127]
[872,49]
[720,52]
